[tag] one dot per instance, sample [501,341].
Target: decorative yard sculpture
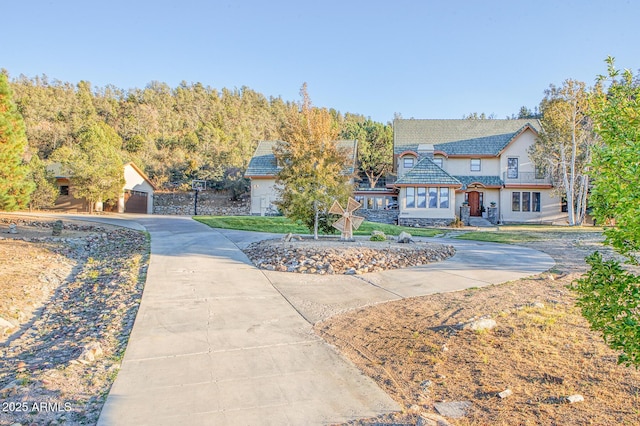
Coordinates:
[348,222]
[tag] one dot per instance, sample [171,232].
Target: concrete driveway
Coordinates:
[219,342]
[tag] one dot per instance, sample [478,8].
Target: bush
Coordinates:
[457,223]
[609,298]
[378,236]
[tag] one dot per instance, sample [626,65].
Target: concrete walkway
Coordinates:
[215,343]
[218,342]
[475,264]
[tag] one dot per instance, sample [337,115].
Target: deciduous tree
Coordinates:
[609,295]
[564,146]
[95,165]
[313,165]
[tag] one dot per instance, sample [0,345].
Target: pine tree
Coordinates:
[15,186]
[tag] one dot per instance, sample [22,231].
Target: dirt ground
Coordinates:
[60,295]
[541,350]
[66,311]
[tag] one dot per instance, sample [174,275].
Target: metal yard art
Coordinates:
[348,222]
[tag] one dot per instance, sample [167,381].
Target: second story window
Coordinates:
[475,164]
[438,162]
[512,168]
[408,162]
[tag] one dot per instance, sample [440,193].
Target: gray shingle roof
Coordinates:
[483,180]
[459,137]
[263,163]
[426,172]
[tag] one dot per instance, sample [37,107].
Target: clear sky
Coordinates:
[421,59]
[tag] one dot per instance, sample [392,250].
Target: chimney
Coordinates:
[425,150]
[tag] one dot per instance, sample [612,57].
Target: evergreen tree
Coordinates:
[15,186]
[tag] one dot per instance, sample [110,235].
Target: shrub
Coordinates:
[378,236]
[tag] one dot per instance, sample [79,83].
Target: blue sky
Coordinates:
[421,59]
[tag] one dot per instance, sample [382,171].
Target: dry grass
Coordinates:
[417,352]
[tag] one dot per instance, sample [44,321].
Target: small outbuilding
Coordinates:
[136,196]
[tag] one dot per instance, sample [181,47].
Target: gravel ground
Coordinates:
[72,302]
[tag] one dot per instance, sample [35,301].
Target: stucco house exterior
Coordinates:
[263,169]
[443,165]
[136,196]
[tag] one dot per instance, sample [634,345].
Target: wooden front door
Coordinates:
[474,203]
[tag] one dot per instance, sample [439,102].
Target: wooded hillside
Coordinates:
[175,134]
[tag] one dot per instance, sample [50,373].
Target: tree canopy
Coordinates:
[175,134]
[15,183]
[375,147]
[564,146]
[609,294]
[313,165]
[94,164]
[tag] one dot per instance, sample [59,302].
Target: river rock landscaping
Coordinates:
[331,256]
[68,307]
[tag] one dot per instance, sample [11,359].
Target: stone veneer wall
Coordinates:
[209,203]
[423,222]
[380,216]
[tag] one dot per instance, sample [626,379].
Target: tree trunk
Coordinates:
[315,220]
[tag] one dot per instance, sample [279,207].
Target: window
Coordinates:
[512,168]
[408,162]
[515,201]
[422,198]
[535,201]
[564,207]
[438,162]
[64,190]
[444,198]
[525,201]
[540,173]
[475,164]
[411,198]
[433,198]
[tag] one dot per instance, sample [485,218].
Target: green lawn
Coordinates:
[499,237]
[282,225]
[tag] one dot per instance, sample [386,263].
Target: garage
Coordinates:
[135,201]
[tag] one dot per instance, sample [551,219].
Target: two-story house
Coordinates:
[442,165]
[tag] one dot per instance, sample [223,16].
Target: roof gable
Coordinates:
[459,137]
[426,172]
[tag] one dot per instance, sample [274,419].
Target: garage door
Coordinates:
[135,202]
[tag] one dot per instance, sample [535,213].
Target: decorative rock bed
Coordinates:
[338,257]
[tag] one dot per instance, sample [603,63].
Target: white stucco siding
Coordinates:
[519,148]
[134,181]
[550,207]
[462,167]
[263,195]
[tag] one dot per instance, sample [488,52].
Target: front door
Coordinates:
[473,197]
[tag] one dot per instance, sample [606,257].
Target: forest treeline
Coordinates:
[174,134]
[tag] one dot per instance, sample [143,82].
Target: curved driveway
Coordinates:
[217,341]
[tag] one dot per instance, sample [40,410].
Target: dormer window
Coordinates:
[408,162]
